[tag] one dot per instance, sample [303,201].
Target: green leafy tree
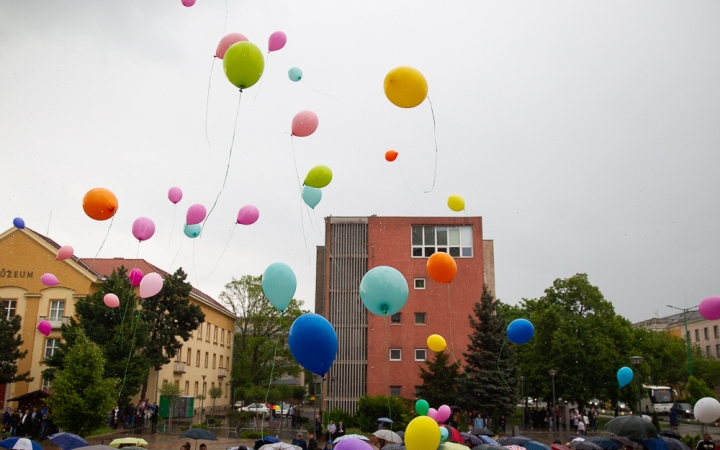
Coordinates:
[298,393]
[82,395]
[215,393]
[705,368]
[490,385]
[664,356]
[697,389]
[371,407]
[10,343]
[439,381]
[169,316]
[172,392]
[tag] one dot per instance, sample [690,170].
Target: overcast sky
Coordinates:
[586,134]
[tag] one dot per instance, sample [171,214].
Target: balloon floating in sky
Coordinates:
[192,231]
[436,343]
[279,284]
[100,204]
[276,41]
[243,64]
[64,253]
[383,290]
[44,327]
[295,74]
[456,203]
[710,308]
[624,376]
[441,267]
[304,123]
[248,215]
[707,410]
[135,276]
[143,228]
[226,42]
[150,285]
[422,407]
[391,155]
[175,194]
[111,300]
[318,177]
[422,433]
[520,331]
[49,280]
[311,196]
[195,214]
[18,223]
[313,343]
[188,3]
[405,87]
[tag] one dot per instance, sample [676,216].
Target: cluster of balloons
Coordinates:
[624,376]
[520,331]
[384,290]
[424,431]
[313,343]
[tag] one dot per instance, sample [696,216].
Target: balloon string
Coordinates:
[498,364]
[227,169]
[452,345]
[404,180]
[436,147]
[267,62]
[129,354]
[207,101]
[172,230]
[223,253]
[272,368]
[387,369]
[297,175]
[87,268]
[319,91]
[176,255]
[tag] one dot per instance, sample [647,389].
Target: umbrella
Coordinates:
[606,442]
[514,447]
[669,433]
[535,445]
[98,447]
[67,441]
[489,440]
[133,448]
[632,427]
[385,419]
[559,447]
[471,439]
[674,444]
[482,432]
[266,440]
[10,443]
[198,433]
[513,440]
[488,447]
[452,446]
[394,447]
[454,435]
[128,440]
[350,436]
[389,436]
[280,446]
[580,444]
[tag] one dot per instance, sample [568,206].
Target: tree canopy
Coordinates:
[439,381]
[10,343]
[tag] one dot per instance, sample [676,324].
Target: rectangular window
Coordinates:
[187,387]
[457,241]
[420,354]
[207,359]
[222,337]
[396,318]
[10,308]
[419,283]
[697,335]
[45,384]
[212,385]
[164,383]
[197,359]
[717,350]
[204,388]
[178,357]
[214,359]
[706,332]
[50,346]
[715,331]
[207,334]
[395,354]
[196,389]
[189,356]
[57,309]
[395,391]
[199,332]
[419,318]
[215,335]
[221,362]
[707,351]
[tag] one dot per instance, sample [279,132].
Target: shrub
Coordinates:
[691,441]
[250,434]
[338,415]
[372,407]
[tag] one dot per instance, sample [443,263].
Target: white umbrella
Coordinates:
[389,436]
[350,436]
[280,446]
[23,444]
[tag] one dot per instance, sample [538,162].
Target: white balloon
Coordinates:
[707,410]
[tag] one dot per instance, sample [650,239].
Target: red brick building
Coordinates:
[367,361]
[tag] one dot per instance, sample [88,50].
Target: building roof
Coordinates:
[672,320]
[57,246]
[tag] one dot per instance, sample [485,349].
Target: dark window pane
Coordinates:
[442,235]
[454,251]
[417,235]
[395,318]
[429,251]
[420,318]
[442,249]
[429,235]
[417,251]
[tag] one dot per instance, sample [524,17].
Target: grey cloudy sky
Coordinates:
[586,134]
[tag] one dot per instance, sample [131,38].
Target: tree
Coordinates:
[215,393]
[490,385]
[298,393]
[82,396]
[10,343]
[697,389]
[169,316]
[371,407]
[172,392]
[439,381]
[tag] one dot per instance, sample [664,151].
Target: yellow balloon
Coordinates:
[436,343]
[456,203]
[422,433]
[405,87]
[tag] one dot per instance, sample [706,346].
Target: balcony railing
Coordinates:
[222,372]
[179,367]
[56,322]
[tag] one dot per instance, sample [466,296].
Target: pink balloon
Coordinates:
[49,279]
[135,277]
[304,123]
[226,42]
[175,194]
[44,327]
[433,414]
[111,300]
[150,285]
[443,413]
[277,41]
[64,253]
[143,228]
[248,215]
[188,3]
[195,214]
[710,308]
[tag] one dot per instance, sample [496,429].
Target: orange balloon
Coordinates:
[441,267]
[390,155]
[100,204]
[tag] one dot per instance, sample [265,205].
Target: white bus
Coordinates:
[657,399]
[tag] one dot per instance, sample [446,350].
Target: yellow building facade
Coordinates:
[26,255]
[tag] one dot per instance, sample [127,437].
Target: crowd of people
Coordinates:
[32,424]
[581,421]
[144,415]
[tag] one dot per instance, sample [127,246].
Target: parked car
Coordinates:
[257,408]
[683,409]
[282,408]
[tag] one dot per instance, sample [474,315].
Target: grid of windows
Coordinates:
[455,241]
[419,318]
[420,354]
[396,318]
[419,283]
[50,346]
[10,308]
[395,391]
[57,309]
[395,354]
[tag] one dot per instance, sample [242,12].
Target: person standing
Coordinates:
[502,423]
[706,443]
[115,417]
[36,418]
[130,416]
[25,424]
[312,442]
[44,420]
[291,414]
[581,426]
[673,419]
[318,426]
[15,423]
[331,430]
[300,442]
[478,422]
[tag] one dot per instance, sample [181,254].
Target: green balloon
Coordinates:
[243,64]
[318,177]
[422,407]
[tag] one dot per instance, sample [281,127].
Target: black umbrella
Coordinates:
[482,432]
[513,440]
[579,444]
[606,442]
[488,447]
[198,433]
[669,433]
[674,444]
[632,427]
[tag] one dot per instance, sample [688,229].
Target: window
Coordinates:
[215,335]
[199,333]
[715,331]
[189,355]
[10,308]
[207,334]
[419,318]
[45,384]
[204,388]
[197,359]
[214,360]
[187,387]
[419,283]
[196,389]
[395,354]
[717,350]
[707,351]
[420,354]
[50,346]
[207,358]
[395,391]
[164,383]
[221,362]
[697,335]
[395,318]
[706,332]
[178,357]
[222,337]
[428,239]
[57,309]
[212,385]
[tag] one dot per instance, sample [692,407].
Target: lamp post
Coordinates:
[522,392]
[636,361]
[687,335]
[202,400]
[552,373]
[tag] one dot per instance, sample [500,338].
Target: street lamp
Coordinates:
[202,400]
[636,361]
[522,392]
[552,373]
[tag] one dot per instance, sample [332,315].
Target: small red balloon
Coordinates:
[390,155]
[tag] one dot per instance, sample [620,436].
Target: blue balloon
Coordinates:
[384,290]
[624,376]
[295,74]
[443,433]
[311,196]
[192,231]
[18,223]
[313,343]
[279,284]
[520,331]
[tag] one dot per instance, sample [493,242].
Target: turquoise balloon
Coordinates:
[279,284]
[192,231]
[383,290]
[311,196]
[295,74]
[624,376]
[443,433]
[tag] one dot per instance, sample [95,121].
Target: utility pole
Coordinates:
[687,334]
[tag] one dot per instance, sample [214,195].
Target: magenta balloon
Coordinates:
[433,414]
[352,444]
[226,42]
[188,3]
[277,41]
[248,215]
[143,228]
[710,308]
[64,253]
[49,279]
[304,123]
[175,194]
[111,300]
[135,277]
[44,327]
[443,413]
[195,214]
